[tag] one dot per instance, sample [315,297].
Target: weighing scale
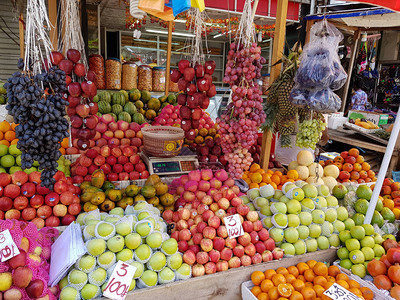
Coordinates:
[183,163]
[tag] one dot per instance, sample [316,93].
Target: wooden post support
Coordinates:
[53,20]
[310,23]
[354,50]
[169,46]
[21,36]
[277,51]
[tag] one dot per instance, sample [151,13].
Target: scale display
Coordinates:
[163,167]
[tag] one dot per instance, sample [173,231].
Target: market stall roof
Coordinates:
[365,18]
[390,4]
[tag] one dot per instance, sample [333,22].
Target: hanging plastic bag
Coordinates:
[179,6]
[151,5]
[320,71]
[198,4]
[157,8]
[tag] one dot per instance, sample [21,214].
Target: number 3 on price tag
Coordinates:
[120,281]
[233,226]
[8,249]
[338,292]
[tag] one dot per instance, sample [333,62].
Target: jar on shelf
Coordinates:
[96,64]
[159,79]
[145,81]
[113,74]
[173,87]
[129,76]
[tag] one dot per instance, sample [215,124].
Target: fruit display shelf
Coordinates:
[223,285]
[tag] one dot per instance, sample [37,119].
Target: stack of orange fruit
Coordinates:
[7,136]
[390,196]
[352,167]
[7,133]
[257,177]
[305,281]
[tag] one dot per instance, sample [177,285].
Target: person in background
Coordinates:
[359,100]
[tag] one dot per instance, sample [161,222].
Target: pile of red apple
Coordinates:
[196,84]
[111,133]
[169,116]
[26,275]
[81,90]
[206,197]
[23,198]
[118,163]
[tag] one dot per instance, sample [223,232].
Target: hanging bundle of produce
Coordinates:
[320,71]
[194,78]
[35,98]
[238,126]
[281,114]
[80,82]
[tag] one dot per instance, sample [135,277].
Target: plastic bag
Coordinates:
[320,71]
[198,4]
[157,8]
[179,6]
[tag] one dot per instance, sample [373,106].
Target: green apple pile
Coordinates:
[357,202]
[136,235]
[302,217]
[10,161]
[361,244]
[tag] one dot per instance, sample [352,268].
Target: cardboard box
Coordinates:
[376,118]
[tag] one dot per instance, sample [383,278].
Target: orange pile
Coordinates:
[7,133]
[390,196]
[352,167]
[305,281]
[257,177]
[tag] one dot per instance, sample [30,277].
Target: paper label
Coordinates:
[120,281]
[162,79]
[338,292]
[233,226]
[8,249]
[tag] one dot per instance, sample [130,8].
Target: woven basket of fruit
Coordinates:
[162,141]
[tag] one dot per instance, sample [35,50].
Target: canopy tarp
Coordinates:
[390,4]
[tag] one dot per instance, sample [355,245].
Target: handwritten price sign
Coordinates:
[120,281]
[8,249]
[338,292]
[233,226]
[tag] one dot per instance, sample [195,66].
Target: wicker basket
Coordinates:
[162,141]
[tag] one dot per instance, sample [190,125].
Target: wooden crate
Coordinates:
[224,285]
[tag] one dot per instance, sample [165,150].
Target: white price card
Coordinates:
[233,226]
[8,249]
[120,281]
[338,292]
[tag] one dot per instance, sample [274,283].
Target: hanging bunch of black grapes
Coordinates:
[36,102]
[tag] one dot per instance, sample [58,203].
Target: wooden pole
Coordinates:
[53,20]
[277,51]
[169,46]
[21,36]
[354,50]
[310,23]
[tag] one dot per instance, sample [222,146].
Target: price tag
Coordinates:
[338,292]
[233,226]
[8,249]
[120,281]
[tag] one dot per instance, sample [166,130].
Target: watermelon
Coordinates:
[96,99]
[126,95]
[134,95]
[99,114]
[171,99]
[138,118]
[124,116]
[105,96]
[104,107]
[114,116]
[146,96]
[116,109]
[118,98]
[130,108]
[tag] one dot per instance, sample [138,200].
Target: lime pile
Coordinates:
[301,217]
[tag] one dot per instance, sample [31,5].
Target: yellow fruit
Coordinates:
[167,199]
[153,180]
[154,201]
[256,177]
[107,205]
[161,188]
[114,195]
[125,202]
[98,198]
[5,279]
[89,207]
